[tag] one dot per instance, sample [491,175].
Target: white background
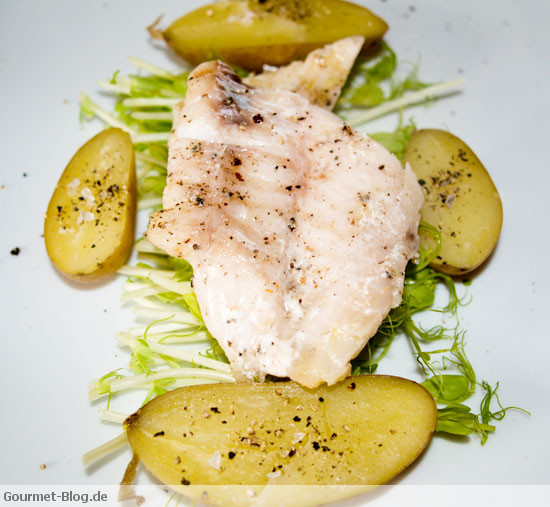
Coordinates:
[57,336]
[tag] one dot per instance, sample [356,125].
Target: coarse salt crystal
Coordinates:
[298,437]
[215,460]
[88,196]
[84,217]
[274,475]
[72,186]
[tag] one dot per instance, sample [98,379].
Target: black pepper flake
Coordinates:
[196,246]
[421,182]
[296,418]
[289,188]
[258,118]
[231,455]
[351,387]
[15,251]
[159,434]
[60,209]
[381,167]
[237,161]
[316,446]
[347,130]
[215,410]
[333,436]
[239,176]
[292,452]
[292,224]
[321,399]
[185,482]
[462,155]
[200,201]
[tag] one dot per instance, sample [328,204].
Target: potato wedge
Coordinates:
[90,221]
[251,33]
[218,438]
[461,199]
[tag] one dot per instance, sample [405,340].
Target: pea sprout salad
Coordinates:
[170,346]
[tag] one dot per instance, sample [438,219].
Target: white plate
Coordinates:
[57,336]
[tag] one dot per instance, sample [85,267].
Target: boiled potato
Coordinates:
[89,225]
[251,33]
[461,199]
[209,441]
[283,495]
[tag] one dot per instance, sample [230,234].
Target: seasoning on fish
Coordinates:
[319,78]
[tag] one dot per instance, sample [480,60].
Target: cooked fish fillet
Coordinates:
[320,77]
[298,227]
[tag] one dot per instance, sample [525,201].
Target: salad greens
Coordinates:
[175,349]
[369,77]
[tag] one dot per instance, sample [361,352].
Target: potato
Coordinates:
[461,199]
[283,495]
[273,437]
[251,33]
[89,225]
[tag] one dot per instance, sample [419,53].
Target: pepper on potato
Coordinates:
[460,199]
[254,33]
[90,221]
[279,438]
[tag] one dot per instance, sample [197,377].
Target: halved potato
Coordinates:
[210,441]
[251,33]
[461,199]
[90,221]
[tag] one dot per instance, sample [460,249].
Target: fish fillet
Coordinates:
[320,77]
[298,227]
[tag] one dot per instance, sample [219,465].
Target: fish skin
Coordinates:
[319,78]
[298,227]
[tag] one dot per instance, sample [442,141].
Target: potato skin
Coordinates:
[249,34]
[360,432]
[90,221]
[461,199]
